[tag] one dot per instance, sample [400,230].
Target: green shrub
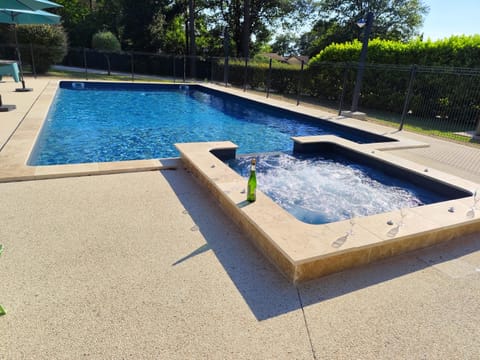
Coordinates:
[284,77]
[455,51]
[49,43]
[445,92]
[105,41]
[384,84]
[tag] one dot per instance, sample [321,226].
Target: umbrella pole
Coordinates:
[23,88]
[4,108]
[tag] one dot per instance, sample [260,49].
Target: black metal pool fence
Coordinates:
[438,100]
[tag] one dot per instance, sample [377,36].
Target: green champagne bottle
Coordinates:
[252,183]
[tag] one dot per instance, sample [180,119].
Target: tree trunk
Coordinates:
[193,50]
[107,57]
[246,29]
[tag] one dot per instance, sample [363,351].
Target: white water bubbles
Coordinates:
[320,190]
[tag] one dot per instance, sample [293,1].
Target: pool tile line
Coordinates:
[303,251]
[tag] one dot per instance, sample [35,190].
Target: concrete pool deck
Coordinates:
[145,265]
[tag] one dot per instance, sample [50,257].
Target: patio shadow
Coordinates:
[265,290]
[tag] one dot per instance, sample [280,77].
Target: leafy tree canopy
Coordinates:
[162,25]
[393,20]
[264,15]
[105,41]
[285,44]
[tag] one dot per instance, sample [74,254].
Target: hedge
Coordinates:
[446,82]
[49,45]
[455,51]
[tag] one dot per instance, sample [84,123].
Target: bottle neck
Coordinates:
[252,166]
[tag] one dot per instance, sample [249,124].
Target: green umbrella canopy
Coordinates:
[16,17]
[31,5]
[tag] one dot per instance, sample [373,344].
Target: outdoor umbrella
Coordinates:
[28,4]
[18,16]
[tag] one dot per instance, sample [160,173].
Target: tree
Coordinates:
[77,20]
[169,37]
[255,17]
[192,48]
[285,44]
[50,44]
[153,25]
[108,15]
[322,34]
[191,27]
[106,42]
[394,19]
[141,21]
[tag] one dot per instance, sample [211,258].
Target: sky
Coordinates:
[451,17]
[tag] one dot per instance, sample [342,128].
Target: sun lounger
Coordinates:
[9,68]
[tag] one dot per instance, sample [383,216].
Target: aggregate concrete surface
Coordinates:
[147,266]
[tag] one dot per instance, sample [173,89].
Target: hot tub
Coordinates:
[303,251]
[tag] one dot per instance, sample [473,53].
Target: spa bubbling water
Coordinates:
[319,190]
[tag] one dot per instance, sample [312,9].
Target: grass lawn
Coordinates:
[95,76]
[433,127]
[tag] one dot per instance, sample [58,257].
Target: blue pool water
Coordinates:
[98,122]
[322,189]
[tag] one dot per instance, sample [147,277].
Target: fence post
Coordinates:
[300,77]
[344,85]
[225,71]
[184,69]
[269,80]
[245,75]
[211,69]
[85,62]
[132,64]
[33,61]
[174,70]
[226,52]
[413,72]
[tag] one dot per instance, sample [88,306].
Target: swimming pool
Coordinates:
[104,122]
